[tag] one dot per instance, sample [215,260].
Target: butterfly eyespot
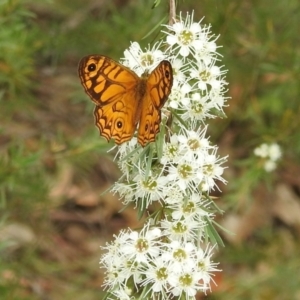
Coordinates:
[91,67]
[119,124]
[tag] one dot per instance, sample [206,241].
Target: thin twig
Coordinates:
[172,14]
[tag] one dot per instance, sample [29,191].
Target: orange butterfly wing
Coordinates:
[113,88]
[158,89]
[123,99]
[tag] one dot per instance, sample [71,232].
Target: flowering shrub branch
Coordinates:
[171,256]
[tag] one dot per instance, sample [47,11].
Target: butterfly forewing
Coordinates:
[159,85]
[105,79]
[112,87]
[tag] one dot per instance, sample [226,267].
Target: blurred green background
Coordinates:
[54,166]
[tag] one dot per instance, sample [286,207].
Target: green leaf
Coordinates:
[155,4]
[155,27]
[213,234]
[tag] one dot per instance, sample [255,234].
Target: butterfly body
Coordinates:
[123,99]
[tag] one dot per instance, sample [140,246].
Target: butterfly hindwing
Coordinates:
[117,120]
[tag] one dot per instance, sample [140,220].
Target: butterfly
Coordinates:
[123,99]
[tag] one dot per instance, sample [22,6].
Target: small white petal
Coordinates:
[195,28]
[172,40]
[184,51]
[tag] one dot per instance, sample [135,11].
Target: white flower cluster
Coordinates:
[270,155]
[188,165]
[188,161]
[165,259]
[198,84]
[141,261]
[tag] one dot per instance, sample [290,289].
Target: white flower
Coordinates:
[139,61]
[198,108]
[157,275]
[187,283]
[192,269]
[216,96]
[149,188]
[121,294]
[178,67]
[191,209]
[142,245]
[181,230]
[194,144]
[212,171]
[173,195]
[141,187]
[207,76]
[274,152]
[115,262]
[179,95]
[115,266]
[184,175]
[125,191]
[126,165]
[205,266]
[262,150]
[171,151]
[208,52]
[185,36]
[179,255]
[270,154]
[270,165]
[126,148]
